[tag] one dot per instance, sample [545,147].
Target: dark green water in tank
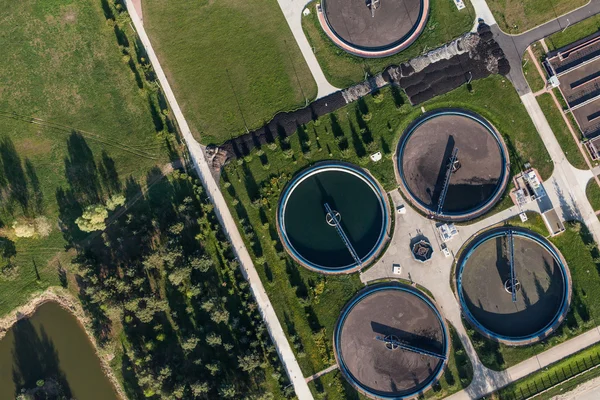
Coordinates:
[51,343]
[306,226]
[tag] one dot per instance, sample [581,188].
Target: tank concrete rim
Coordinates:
[374,52]
[528,235]
[340,167]
[484,206]
[370,290]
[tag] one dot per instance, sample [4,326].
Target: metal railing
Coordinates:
[442,198]
[549,380]
[338,227]
[404,346]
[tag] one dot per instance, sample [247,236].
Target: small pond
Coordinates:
[51,345]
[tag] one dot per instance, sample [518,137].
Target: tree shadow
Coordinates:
[336,128]
[62,276]
[121,36]
[136,74]
[14,174]
[159,125]
[359,148]
[7,248]
[69,209]
[397,95]
[108,173]
[130,383]
[108,13]
[38,196]
[81,170]
[362,106]
[35,358]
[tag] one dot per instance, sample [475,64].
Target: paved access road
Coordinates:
[227,222]
[514,46]
[292,10]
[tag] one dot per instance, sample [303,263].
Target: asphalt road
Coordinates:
[514,46]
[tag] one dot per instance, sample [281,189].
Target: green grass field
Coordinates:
[574,33]
[517,16]
[231,64]
[581,253]
[593,194]
[342,69]
[561,131]
[64,66]
[535,81]
[252,186]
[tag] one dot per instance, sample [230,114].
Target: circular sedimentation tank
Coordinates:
[542,285]
[477,177]
[368,331]
[373,28]
[308,230]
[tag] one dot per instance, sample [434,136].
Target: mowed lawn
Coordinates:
[62,64]
[573,33]
[232,64]
[517,16]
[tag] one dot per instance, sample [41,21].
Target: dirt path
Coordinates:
[586,390]
[67,301]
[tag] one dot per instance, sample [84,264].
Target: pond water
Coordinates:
[52,344]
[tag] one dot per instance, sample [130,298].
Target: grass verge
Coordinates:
[342,69]
[573,33]
[561,131]
[552,376]
[593,194]
[518,16]
[233,65]
[535,81]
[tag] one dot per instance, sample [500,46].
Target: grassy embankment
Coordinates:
[232,65]
[342,69]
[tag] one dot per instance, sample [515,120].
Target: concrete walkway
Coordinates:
[482,11]
[542,360]
[567,190]
[323,372]
[292,10]
[227,222]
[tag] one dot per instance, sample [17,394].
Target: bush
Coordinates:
[115,201]
[42,226]
[24,229]
[92,219]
